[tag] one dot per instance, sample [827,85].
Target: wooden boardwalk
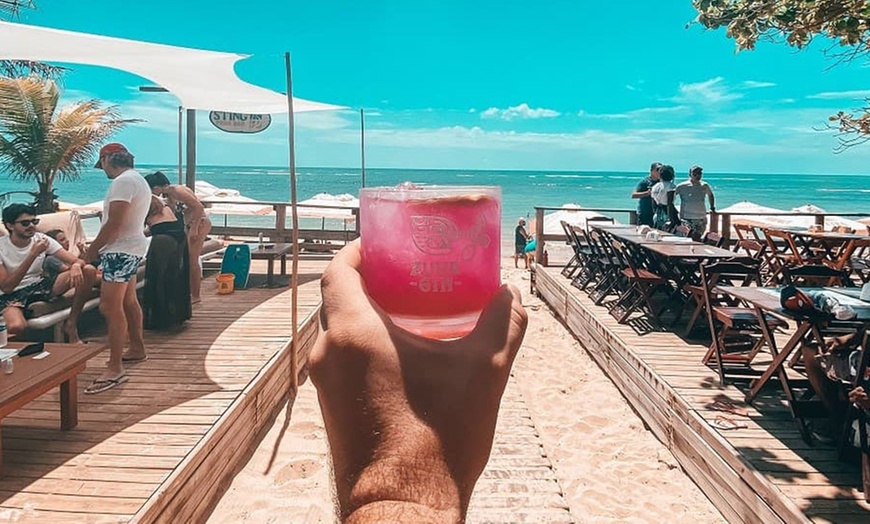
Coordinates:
[163,446]
[761,473]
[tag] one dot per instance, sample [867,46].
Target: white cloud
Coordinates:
[840,95]
[713,91]
[520,112]
[635,113]
[753,84]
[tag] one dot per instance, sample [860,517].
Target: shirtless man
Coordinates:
[23,280]
[195,220]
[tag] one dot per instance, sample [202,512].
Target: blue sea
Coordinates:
[521,190]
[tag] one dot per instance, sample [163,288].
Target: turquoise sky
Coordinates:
[549,85]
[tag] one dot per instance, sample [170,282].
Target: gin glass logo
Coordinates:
[438,236]
[435,235]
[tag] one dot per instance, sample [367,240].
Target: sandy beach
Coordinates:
[568,449]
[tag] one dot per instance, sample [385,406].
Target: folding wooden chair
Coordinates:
[572,240]
[642,283]
[682,230]
[861,379]
[713,239]
[735,330]
[783,252]
[608,267]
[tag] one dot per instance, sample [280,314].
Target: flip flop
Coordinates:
[133,360]
[98,386]
[725,424]
[721,405]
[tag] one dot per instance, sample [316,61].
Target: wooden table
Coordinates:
[766,299]
[32,378]
[270,252]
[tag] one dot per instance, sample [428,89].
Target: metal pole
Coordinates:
[362,144]
[191,149]
[294,276]
[180,147]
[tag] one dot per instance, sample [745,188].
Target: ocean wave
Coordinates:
[736,179]
[826,190]
[573,176]
[464,176]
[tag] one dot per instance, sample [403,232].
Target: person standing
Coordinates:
[692,193]
[663,197]
[196,222]
[120,246]
[643,192]
[521,237]
[25,277]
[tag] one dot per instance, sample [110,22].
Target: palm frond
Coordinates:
[12,7]
[24,68]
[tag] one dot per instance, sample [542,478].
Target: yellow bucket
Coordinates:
[225,283]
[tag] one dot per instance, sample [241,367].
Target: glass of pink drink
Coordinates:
[431,255]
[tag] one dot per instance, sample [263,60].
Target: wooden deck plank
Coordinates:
[764,472]
[228,368]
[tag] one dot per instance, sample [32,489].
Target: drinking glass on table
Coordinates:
[431,255]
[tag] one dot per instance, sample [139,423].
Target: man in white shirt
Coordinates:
[692,194]
[23,279]
[121,246]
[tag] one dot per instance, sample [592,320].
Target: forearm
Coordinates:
[107,233]
[14,278]
[399,488]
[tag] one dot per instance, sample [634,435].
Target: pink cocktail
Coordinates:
[430,255]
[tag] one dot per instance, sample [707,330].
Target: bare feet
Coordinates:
[72,332]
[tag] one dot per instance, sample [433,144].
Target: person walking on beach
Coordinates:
[643,192]
[663,198]
[196,222]
[521,238]
[120,246]
[25,279]
[692,194]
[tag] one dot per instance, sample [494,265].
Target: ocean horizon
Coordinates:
[522,190]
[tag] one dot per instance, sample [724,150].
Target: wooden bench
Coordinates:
[32,378]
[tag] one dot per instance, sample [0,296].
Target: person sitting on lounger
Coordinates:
[182,199]
[23,279]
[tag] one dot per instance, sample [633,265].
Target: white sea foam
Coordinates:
[826,190]
[573,176]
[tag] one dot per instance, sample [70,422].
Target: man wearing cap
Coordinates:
[521,238]
[643,192]
[692,193]
[120,247]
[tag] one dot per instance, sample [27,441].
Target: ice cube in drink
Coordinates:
[430,256]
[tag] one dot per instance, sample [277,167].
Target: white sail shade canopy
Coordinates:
[200,79]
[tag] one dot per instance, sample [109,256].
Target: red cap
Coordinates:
[108,149]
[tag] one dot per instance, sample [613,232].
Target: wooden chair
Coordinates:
[682,230]
[783,252]
[642,283]
[816,275]
[583,271]
[861,379]
[735,330]
[608,268]
[572,240]
[713,239]
[598,220]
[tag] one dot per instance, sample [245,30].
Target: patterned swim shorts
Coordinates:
[697,225]
[119,267]
[22,298]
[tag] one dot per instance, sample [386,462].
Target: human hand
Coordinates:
[76,277]
[410,420]
[39,246]
[859,397]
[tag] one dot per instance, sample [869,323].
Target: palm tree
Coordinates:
[39,142]
[9,9]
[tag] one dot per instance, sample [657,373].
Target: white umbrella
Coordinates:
[346,202]
[227,201]
[570,213]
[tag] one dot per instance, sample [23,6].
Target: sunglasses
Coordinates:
[26,222]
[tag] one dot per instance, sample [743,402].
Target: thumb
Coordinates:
[501,326]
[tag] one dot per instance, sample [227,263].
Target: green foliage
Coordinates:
[41,143]
[844,24]
[9,9]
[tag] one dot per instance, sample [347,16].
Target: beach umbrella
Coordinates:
[310,208]
[830,220]
[571,213]
[229,201]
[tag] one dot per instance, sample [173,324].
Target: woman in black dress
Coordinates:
[167,270]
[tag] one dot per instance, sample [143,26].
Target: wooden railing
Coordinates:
[719,222]
[280,232]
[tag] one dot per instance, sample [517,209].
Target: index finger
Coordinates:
[342,285]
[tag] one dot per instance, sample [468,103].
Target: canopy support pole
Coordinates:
[362,144]
[191,149]
[180,147]
[294,275]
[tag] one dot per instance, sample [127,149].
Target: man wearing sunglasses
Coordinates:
[23,280]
